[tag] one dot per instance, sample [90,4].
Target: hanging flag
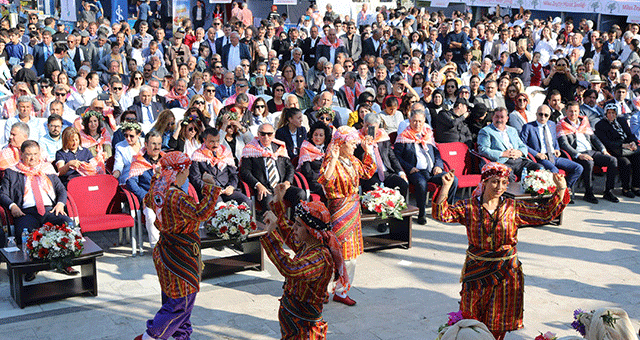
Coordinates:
[119,10]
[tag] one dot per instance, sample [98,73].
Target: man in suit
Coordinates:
[419,157]
[501,143]
[330,46]
[590,107]
[309,46]
[228,88]
[33,193]
[352,41]
[576,137]
[54,62]
[491,98]
[626,109]
[234,52]
[102,48]
[390,171]
[74,52]
[42,51]
[292,139]
[596,50]
[265,164]
[504,44]
[88,48]
[222,41]
[216,160]
[146,110]
[301,67]
[540,138]
[373,45]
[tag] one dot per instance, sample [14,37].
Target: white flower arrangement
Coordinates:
[231,221]
[56,243]
[384,201]
[539,182]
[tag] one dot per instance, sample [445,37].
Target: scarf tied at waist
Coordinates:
[488,267]
[180,253]
[302,310]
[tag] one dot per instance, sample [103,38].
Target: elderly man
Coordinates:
[305,96]
[330,46]
[265,163]
[540,138]
[217,160]
[242,87]
[228,88]
[25,115]
[10,154]
[416,151]
[351,90]
[300,66]
[146,110]
[501,143]
[234,52]
[51,142]
[178,95]
[33,193]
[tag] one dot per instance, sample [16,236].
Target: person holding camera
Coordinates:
[561,79]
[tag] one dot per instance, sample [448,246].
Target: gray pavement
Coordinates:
[591,261]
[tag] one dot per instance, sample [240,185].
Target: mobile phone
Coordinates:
[371,131]
[103,96]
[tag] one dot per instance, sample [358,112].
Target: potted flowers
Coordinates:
[384,201]
[231,221]
[539,183]
[58,244]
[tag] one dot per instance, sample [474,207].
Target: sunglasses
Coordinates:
[191,129]
[259,106]
[130,119]
[117,88]
[241,85]
[262,133]
[245,65]
[138,78]
[199,102]
[281,90]
[172,123]
[326,119]
[147,70]
[299,81]
[522,100]
[544,115]
[61,94]
[218,67]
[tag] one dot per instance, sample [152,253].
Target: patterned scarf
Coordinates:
[343,135]
[171,164]
[9,156]
[349,93]
[221,158]
[410,136]
[489,171]
[567,128]
[93,167]
[140,164]
[39,174]
[325,41]
[181,98]
[255,149]
[381,135]
[308,153]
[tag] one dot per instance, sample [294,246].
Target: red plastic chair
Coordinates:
[457,156]
[96,203]
[302,183]
[108,164]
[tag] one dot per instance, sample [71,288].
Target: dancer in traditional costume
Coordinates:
[492,279]
[177,253]
[341,174]
[317,261]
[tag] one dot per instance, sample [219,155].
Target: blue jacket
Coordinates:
[490,143]
[530,135]
[406,154]
[140,185]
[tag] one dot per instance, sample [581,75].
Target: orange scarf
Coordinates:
[349,93]
[308,153]
[181,98]
[39,174]
[410,136]
[325,41]
[9,156]
[221,158]
[140,165]
[381,135]
[254,149]
[567,128]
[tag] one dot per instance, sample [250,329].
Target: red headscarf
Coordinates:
[489,171]
[171,164]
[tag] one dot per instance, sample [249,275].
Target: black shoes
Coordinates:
[590,198]
[422,220]
[609,196]
[636,192]
[29,277]
[69,271]
[628,193]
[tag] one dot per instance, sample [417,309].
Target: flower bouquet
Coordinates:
[58,244]
[539,182]
[579,326]
[384,201]
[231,221]
[546,336]
[454,317]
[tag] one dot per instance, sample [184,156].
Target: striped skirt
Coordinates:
[346,219]
[301,321]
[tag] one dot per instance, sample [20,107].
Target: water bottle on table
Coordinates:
[25,236]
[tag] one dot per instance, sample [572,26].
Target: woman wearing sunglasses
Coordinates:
[276,104]
[259,115]
[312,154]
[188,132]
[166,126]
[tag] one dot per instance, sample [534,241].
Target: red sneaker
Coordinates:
[139,337]
[346,300]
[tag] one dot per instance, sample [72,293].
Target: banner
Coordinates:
[628,8]
[220,2]
[439,3]
[285,2]
[119,10]
[180,12]
[68,10]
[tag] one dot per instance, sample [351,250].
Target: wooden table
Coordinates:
[515,191]
[251,257]
[399,234]
[18,264]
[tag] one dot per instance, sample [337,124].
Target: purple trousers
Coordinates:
[172,320]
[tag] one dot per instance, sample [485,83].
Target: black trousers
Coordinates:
[629,170]
[390,181]
[237,196]
[599,159]
[517,165]
[294,195]
[32,220]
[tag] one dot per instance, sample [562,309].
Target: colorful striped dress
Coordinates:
[492,278]
[343,201]
[306,278]
[177,254]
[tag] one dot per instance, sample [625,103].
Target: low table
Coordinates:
[251,257]
[515,191]
[18,264]
[399,234]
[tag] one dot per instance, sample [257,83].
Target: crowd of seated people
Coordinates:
[256,104]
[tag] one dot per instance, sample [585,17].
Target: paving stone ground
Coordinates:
[590,261]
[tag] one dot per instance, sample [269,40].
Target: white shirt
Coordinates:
[29,200]
[234,57]
[505,139]
[423,159]
[541,133]
[147,114]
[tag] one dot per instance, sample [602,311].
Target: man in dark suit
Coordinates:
[373,45]
[332,43]
[625,106]
[146,110]
[102,48]
[595,49]
[87,47]
[284,134]
[420,159]
[54,62]
[43,202]
[590,108]
[42,51]
[576,137]
[540,138]
[216,160]
[352,41]
[224,40]
[227,89]
[491,98]
[309,46]
[234,52]
[265,164]
[390,171]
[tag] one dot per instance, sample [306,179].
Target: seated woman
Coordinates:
[118,135]
[126,149]
[188,132]
[73,160]
[233,134]
[326,115]
[276,104]
[521,116]
[95,136]
[312,153]
[291,131]
[258,115]
[166,126]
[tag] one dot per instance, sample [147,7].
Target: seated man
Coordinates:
[51,142]
[10,154]
[501,143]
[416,150]
[576,137]
[390,171]
[264,164]
[216,159]
[540,138]
[33,193]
